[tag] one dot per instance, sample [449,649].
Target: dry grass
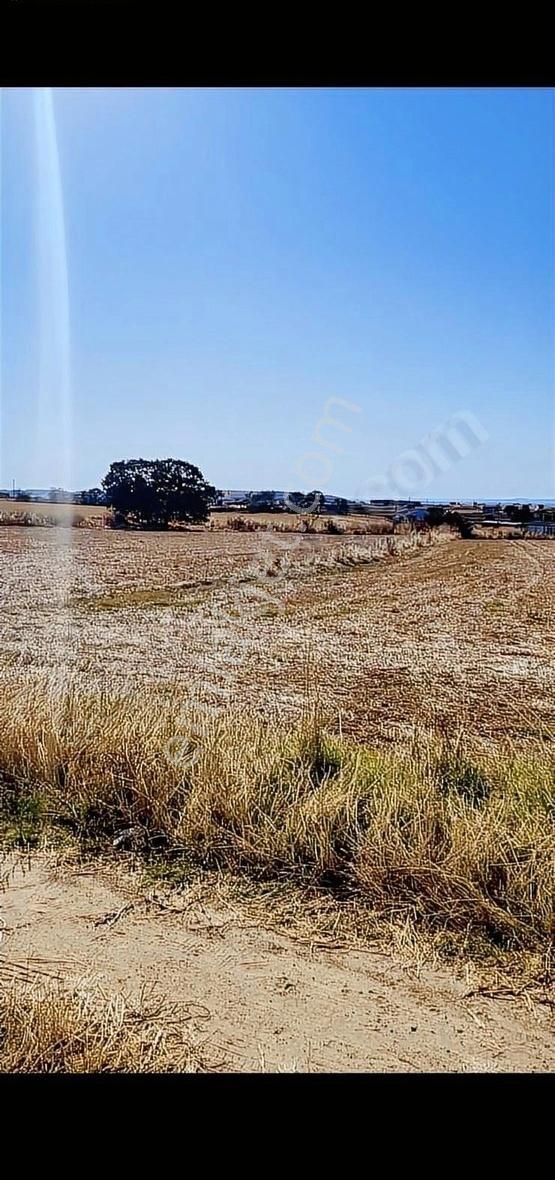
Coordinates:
[48,1029]
[42,520]
[429,833]
[293,522]
[292,562]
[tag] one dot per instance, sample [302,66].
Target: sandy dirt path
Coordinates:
[257,999]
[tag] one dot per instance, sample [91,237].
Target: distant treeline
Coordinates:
[131,496]
[94,497]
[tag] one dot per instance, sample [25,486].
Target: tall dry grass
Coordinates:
[430,832]
[350,553]
[28,520]
[48,1029]
[75,520]
[302,523]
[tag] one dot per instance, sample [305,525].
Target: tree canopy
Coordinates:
[263,502]
[341,506]
[438,515]
[94,497]
[306,501]
[154,493]
[519,512]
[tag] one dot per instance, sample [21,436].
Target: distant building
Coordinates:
[235,499]
[540,528]
[472,513]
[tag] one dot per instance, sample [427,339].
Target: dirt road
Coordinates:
[257,999]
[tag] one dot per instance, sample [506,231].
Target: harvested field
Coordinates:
[456,633]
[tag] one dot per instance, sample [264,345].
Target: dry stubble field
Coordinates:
[461,632]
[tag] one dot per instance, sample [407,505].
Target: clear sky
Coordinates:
[238,257]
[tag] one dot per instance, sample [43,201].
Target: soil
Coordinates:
[257,999]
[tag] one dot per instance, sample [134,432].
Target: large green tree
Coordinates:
[154,493]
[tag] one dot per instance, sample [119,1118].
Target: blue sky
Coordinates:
[238,257]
